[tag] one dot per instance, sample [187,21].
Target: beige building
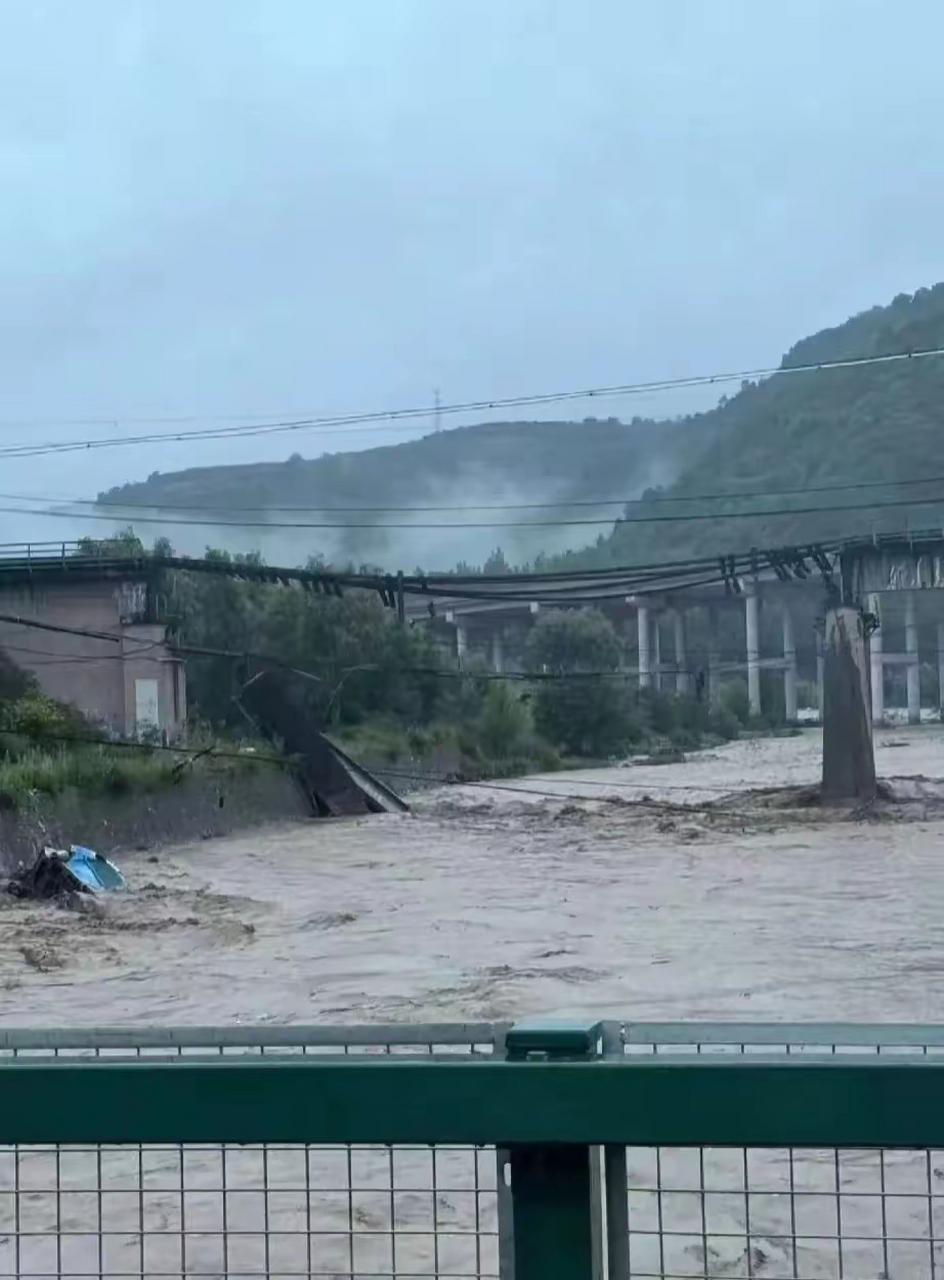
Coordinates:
[125,676]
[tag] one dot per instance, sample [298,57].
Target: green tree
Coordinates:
[504,722]
[574,640]
[363,663]
[14,681]
[577,706]
[125,543]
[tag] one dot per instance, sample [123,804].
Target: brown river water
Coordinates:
[696,890]
[546,895]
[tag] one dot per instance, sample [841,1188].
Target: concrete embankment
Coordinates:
[198,807]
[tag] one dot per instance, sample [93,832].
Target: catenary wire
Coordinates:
[569,586]
[203,651]
[253,757]
[23,729]
[447,780]
[418,776]
[680,518]
[128,508]
[388,418]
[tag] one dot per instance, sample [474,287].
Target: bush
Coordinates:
[685,739]
[735,700]
[688,713]
[14,681]
[39,718]
[586,714]
[655,712]
[773,699]
[928,684]
[666,753]
[586,717]
[504,721]
[807,693]
[724,724]
[574,640]
[90,770]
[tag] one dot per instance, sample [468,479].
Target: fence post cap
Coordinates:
[554,1038]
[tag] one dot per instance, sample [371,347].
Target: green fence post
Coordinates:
[551,1184]
[615,1182]
[506,1227]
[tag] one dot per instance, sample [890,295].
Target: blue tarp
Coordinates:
[94,871]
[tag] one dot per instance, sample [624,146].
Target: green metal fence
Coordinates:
[658,1151]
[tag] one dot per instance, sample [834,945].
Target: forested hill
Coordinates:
[775,442]
[804,431]
[490,464]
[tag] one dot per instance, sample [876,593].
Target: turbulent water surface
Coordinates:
[710,889]
[551,894]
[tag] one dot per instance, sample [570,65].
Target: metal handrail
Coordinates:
[629,1032]
[798,1129]
[20,1039]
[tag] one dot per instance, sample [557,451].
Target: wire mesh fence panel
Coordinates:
[363,1212]
[351,1212]
[803,1215]
[356,1212]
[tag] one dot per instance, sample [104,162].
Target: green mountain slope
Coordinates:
[492,463]
[802,431]
[793,431]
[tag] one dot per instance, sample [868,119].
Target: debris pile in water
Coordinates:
[60,873]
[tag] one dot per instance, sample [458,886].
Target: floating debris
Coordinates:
[59,873]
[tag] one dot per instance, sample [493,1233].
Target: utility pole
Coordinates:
[848,751]
[437,410]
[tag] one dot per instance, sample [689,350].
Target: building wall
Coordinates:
[97,675]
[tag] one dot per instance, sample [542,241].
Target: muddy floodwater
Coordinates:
[669,891]
[712,889]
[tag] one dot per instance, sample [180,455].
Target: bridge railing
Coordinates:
[653,1150]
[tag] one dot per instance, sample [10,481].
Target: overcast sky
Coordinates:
[280,206]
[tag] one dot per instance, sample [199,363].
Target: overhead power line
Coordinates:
[730,495]
[428,586]
[242,655]
[129,744]
[645,800]
[256,757]
[387,419]
[581,522]
[568,587]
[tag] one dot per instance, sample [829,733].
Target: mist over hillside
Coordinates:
[777,442]
[463,473]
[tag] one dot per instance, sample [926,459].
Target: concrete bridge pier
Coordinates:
[789,665]
[752,622]
[498,651]
[682,679]
[642,631]
[940,667]
[848,752]
[714,659]
[877,662]
[913,675]
[656,653]
[462,637]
